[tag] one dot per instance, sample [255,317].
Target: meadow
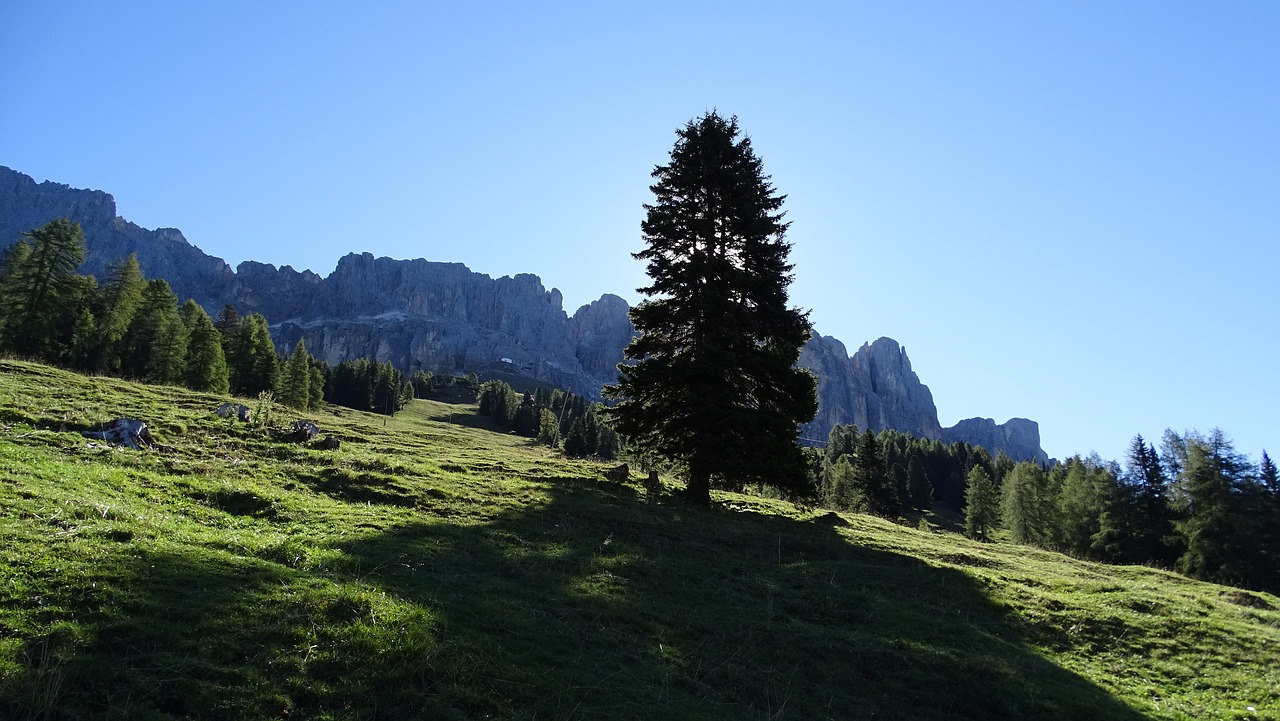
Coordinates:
[434,568]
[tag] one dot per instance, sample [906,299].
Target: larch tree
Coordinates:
[206,367]
[255,367]
[982,503]
[295,378]
[117,303]
[713,384]
[39,282]
[1026,506]
[155,345]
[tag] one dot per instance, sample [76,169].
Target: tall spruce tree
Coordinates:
[918,484]
[1267,474]
[714,385]
[1152,521]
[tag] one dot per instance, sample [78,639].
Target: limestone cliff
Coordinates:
[876,388]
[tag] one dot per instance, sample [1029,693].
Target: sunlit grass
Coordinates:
[438,570]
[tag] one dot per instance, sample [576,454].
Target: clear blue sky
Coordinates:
[1067,211]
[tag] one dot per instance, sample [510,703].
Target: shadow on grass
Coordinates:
[597,605]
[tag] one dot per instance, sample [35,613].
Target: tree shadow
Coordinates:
[600,603]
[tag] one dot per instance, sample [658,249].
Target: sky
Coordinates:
[1065,210]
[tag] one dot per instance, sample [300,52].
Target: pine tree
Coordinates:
[714,386]
[206,367]
[841,490]
[319,380]
[295,378]
[155,344]
[873,481]
[1088,497]
[982,503]
[37,287]
[1026,505]
[1267,474]
[1151,519]
[117,304]
[918,484]
[548,428]
[256,367]
[1224,510]
[575,444]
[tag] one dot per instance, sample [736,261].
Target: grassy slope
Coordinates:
[434,570]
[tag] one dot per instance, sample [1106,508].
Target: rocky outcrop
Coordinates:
[874,388]
[443,317]
[1019,438]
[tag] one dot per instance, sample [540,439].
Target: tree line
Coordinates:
[552,416]
[134,327]
[1195,505]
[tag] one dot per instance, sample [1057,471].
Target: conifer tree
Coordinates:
[117,304]
[1026,505]
[37,287]
[256,367]
[1089,494]
[982,503]
[1267,474]
[295,378]
[841,489]
[918,484]
[548,428]
[1223,527]
[155,346]
[206,367]
[1151,519]
[714,386]
[319,380]
[873,481]
[575,444]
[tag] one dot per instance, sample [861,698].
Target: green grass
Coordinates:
[438,570]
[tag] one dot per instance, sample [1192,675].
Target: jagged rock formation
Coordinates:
[445,318]
[1019,438]
[876,388]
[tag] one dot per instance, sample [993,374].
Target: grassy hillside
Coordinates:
[434,569]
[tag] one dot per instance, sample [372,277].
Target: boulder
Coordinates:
[129,433]
[298,432]
[234,410]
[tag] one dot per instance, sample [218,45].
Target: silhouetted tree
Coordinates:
[714,384]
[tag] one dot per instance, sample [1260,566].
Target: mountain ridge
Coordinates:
[444,317]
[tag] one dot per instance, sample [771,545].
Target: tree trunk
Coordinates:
[699,489]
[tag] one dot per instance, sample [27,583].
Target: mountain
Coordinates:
[446,318]
[876,388]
